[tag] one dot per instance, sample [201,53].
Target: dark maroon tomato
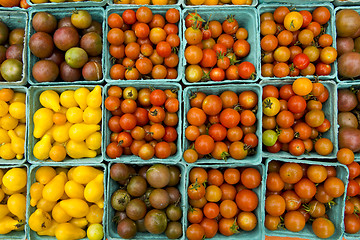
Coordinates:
[275,148]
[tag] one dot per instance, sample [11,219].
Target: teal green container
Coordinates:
[270,7]
[329,108]
[348,85]
[139,85]
[34,99]
[17,235]
[97,14]
[258,232]
[346,2]
[156,9]
[86,3]
[31,179]
[336,213]
[17,18]
[189,91]
[340,79]
[111,232]
[247,18]
[23,160]
[308,2]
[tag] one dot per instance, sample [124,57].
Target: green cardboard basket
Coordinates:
[348,85]
[357,9]
[247,18]
[18,234]
[329,108]
[111,232]
[17,18]
[73,4]
[139,85]
[31,179]
[346,2]
[15,161]
[254,159]
[270,7]
[34,99]
[59,13]
[258,232]
[308,2]
[336,213]
[156,9]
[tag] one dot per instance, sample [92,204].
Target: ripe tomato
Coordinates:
[352,223]
[296,104]
[209,58]
[271,106]
[210,226]
[229,118]
[228,209]
[274,182]
[228,226]
[215,177]
[291,172]
[204,144]
[307,18]
[334,187]
[294,221]
[217,74]
[293,21]
[211,210]
[275,205]
[195,215]
[247,221]
[323,228]
[321,15]
[345,156]
[324,146]
[292,200]
[113,150]
[248,99]
[271,222]
[305,188]
[301,61]
[237,150]
[251,140]
[247,200]
[196,191]
[353,188]
[280,13]
[250,178]
[247,70]
[195,232]
[285,119]
[228,192]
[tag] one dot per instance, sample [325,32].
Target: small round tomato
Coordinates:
[269,137]
[195,232]
[271,106]
[275,205]
[294,221]
[323,228]
[293,21]
[247,70]
[301,61]
[296,104]
[324,146]
[247,200]
[196,191]
[296,147]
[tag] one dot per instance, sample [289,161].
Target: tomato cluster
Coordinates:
[293,119]
[144,45]
[221,126]
[145,199]
[143,122]
[294,43]
[222,201]
[219,2]
[298,194]
[352,203]
[212,53]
